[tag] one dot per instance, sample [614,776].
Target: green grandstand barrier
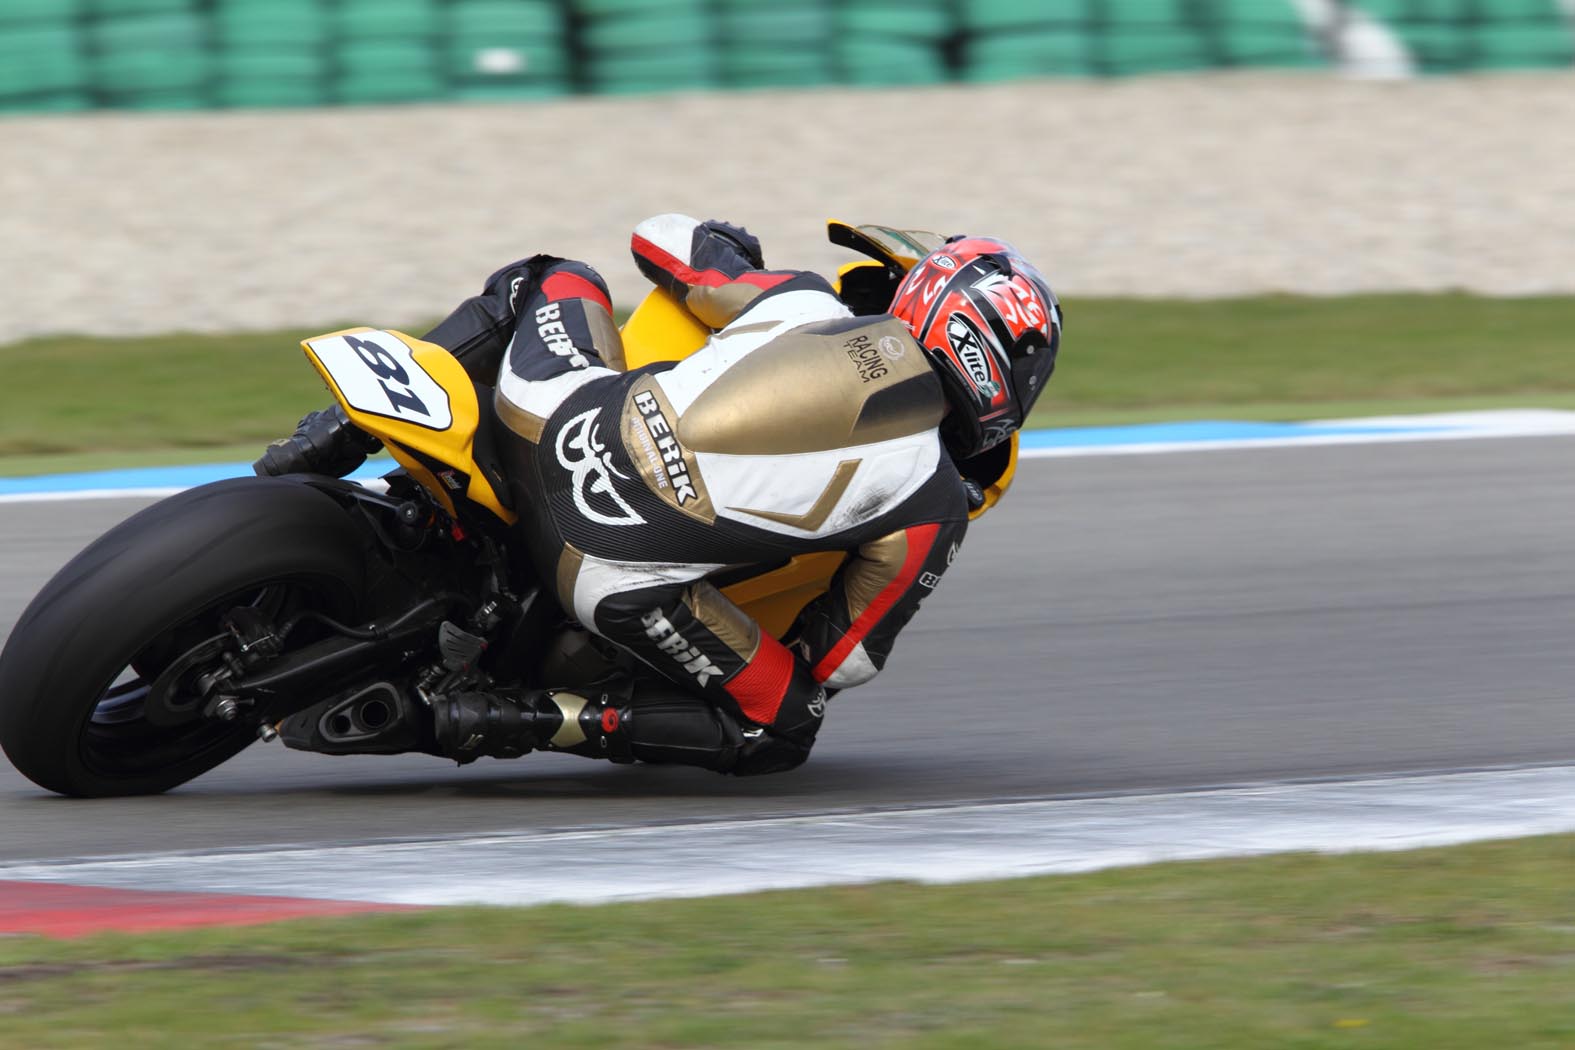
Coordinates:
[789,24]
[271,53]
[785,45]
[1252,47]
[1261,33]
[1520,47]
[873,61]
[1148,13]
[916,20]
[504,19]
[385,71]
[271,78]
[641,72]
[113,8]
[152,61]
[622,8]
[1163,50]
[765,67]
[42,66]
[269,94]
[1447,36]
[505,49]
[300,24]
[683,26]
[296,66]
[372,19]
[47,102]
[1014,55]
[21,11]
[525,90]
[894,41]
[637,48]
[57,55]
[1050,16]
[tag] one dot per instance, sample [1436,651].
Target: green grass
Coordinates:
[1463,948]
[1122,354]
[1277,357]
[77,394]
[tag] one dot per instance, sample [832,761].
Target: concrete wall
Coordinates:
[1192,186]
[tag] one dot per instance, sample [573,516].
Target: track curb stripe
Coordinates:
[55,910]
[934,844]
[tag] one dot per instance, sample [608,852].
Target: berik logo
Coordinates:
[582,454]
[669,641]
[672,454]
[968,345]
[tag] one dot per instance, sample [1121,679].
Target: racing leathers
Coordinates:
[797,427]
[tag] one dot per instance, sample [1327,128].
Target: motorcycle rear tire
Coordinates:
[157,580]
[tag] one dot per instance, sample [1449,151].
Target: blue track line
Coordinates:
[1201,433]
[146,478]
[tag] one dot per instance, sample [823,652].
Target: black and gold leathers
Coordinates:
[797,428]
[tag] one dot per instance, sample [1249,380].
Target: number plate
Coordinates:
[377,373]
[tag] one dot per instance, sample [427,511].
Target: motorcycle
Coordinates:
[329,614]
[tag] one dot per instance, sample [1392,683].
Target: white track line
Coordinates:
[1455,426]
[1241,444]
[88,494]
[937,844]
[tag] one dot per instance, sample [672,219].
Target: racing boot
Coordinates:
[615,724]
[324,442]
[509,723]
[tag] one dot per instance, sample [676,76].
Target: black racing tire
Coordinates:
[147,590]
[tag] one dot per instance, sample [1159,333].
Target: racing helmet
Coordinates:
[990,326]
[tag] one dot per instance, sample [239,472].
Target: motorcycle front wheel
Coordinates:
[78,708]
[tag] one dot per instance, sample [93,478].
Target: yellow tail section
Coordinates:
[390,385]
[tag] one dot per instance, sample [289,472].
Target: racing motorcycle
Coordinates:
[329,614]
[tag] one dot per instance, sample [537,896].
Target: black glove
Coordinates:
[747,242]
[324,442]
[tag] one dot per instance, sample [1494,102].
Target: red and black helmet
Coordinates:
[991,326]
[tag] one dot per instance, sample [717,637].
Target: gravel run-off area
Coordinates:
[1197,186]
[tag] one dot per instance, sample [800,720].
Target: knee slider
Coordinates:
[769,753]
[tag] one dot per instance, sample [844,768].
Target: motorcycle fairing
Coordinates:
[415,397]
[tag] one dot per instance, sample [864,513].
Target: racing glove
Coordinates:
[746,242]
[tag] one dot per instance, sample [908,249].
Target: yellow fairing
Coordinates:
[994,490]
[661,329]
[775,598]
[453,446]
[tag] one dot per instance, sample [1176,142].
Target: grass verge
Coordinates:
[1275,357]
[1460,948]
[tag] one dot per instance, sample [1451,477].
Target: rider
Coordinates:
[799,426]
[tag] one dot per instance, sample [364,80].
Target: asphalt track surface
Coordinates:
[1119,624]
